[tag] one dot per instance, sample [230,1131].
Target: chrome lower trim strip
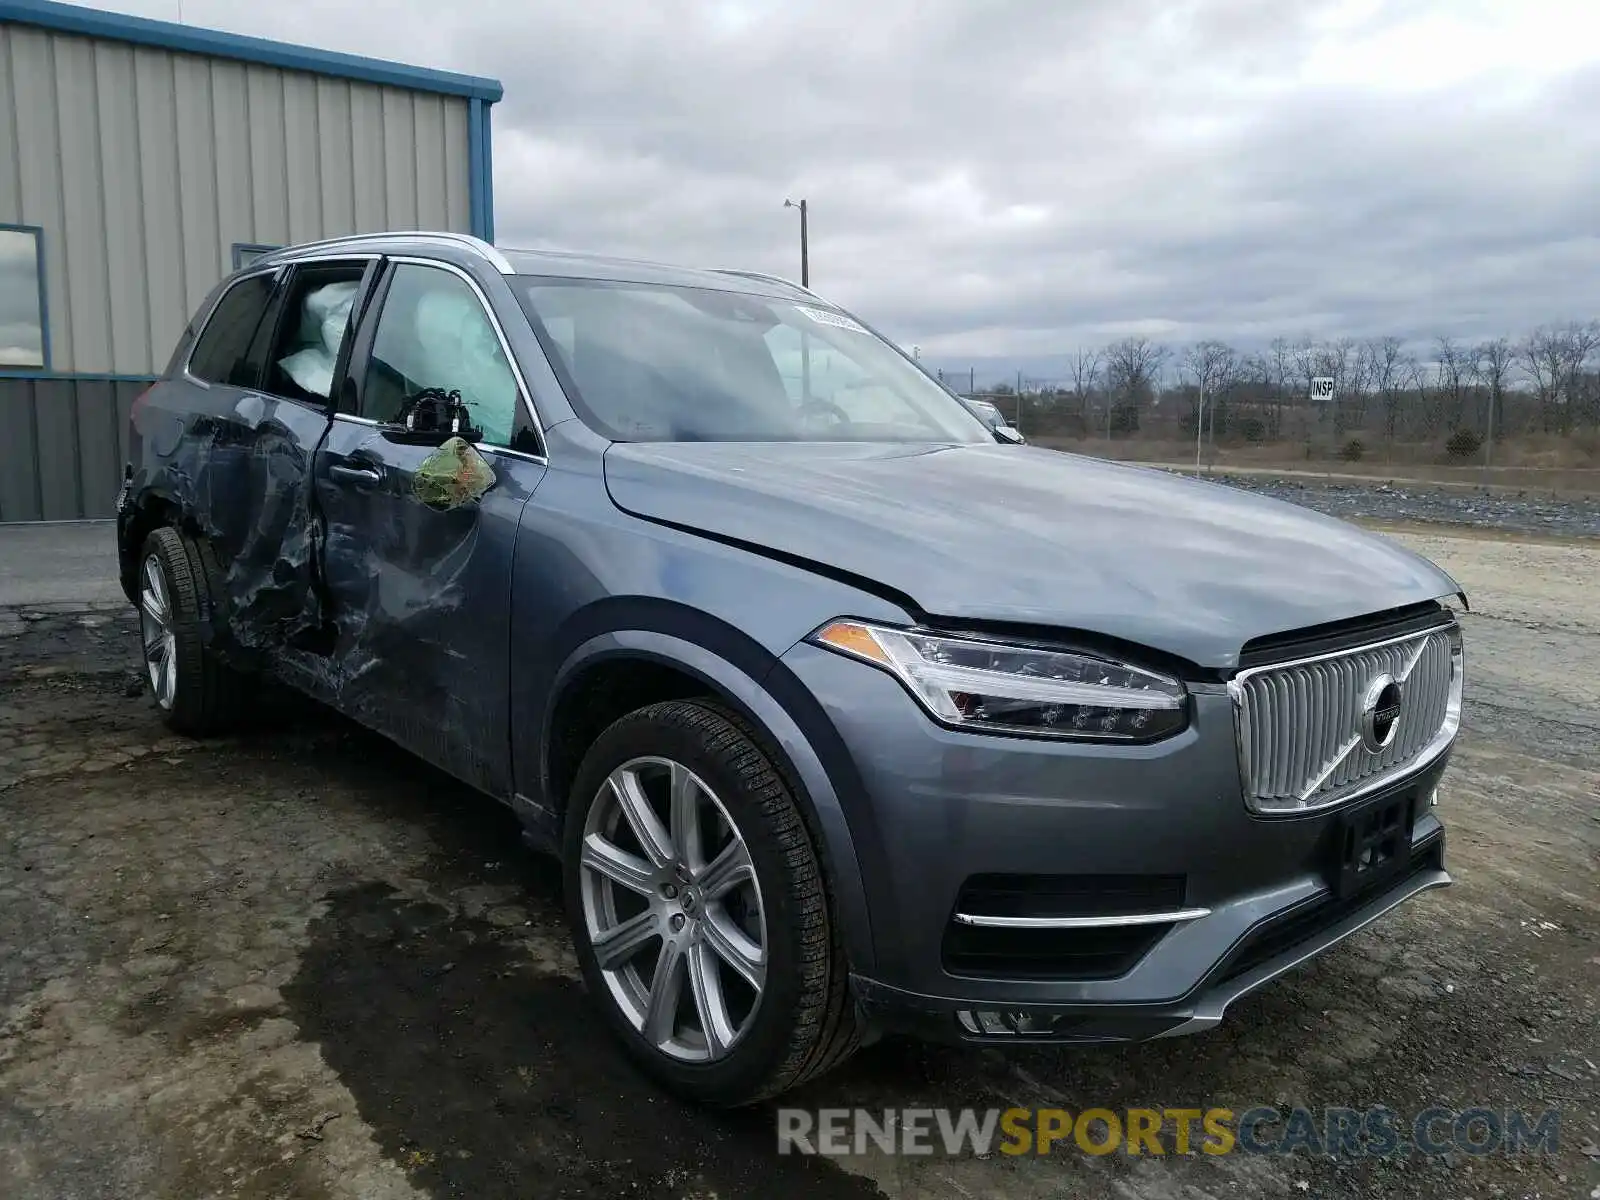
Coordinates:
[1103,922]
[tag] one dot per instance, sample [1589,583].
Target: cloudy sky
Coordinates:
[1019,177]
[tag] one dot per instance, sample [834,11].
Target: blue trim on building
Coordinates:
[480,170]
[88,22]
[44,304]
[33,373]
[487,182]
[476,144]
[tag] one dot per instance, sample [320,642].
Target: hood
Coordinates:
[1020,534]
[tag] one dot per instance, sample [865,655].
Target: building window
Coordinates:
[245,253]
[22,328]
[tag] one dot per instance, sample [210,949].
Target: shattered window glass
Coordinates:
[434,333]
[21,301]
[323,321]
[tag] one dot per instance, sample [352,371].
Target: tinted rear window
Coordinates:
[222,354]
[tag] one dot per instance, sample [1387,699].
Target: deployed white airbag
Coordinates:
[456,349]
[325,316]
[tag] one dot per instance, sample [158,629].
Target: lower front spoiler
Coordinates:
[1276,945]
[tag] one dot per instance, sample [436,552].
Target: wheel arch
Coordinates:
[148,511]
[745,678]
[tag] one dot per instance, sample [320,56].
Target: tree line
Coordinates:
[1546,382]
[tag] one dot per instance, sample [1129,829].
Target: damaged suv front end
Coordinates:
[1132,745]
[1109,890]
[841,716]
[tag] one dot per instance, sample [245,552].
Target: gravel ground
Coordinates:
[296,963]
[1476,508]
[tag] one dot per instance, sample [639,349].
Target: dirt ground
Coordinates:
[299,964]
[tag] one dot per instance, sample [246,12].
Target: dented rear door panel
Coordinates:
[236,464]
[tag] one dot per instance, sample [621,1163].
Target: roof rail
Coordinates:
[466,241]
[766,277]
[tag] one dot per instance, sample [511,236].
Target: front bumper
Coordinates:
[938,809]
[1275,946]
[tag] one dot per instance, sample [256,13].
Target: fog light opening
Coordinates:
[1012,1022]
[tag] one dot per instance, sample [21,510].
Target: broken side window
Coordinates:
[312,331]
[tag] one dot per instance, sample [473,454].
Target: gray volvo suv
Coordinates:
[841,716]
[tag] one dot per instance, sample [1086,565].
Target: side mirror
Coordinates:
[431,417]
[1009,435]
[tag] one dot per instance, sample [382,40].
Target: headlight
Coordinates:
[1000,688]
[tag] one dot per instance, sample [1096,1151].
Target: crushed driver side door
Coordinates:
[419,537]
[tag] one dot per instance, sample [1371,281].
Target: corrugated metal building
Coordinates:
[140,161]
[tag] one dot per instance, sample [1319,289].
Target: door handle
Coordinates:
[362,477]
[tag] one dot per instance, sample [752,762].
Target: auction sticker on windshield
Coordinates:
[838,320]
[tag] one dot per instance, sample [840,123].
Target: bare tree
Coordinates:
[1213,366]
[1307,363]
[1542,357]
[1280,366]
[1343,362]
[1409,393]
[1385,363]
[1584,340]
[1414,379]
[1555,359]
[1338,361]
[1454,370]
[1133,368]
[1584,383]
[1494,360]
[1084,370]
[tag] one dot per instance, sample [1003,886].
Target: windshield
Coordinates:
[650,363]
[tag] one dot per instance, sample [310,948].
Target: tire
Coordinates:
[803,1021]
[198,695]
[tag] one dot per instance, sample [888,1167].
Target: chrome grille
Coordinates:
[1299,724]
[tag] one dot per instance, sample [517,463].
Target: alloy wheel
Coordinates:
[672,909]
[155,627]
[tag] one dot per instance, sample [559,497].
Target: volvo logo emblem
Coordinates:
[1380,714]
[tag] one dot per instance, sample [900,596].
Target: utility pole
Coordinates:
[1199,426]
[805,248]
[1019,401]
[805,282]
[1211,427]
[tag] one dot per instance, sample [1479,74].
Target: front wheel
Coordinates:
[699,908]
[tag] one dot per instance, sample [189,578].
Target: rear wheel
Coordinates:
[699,909]
[196,693]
